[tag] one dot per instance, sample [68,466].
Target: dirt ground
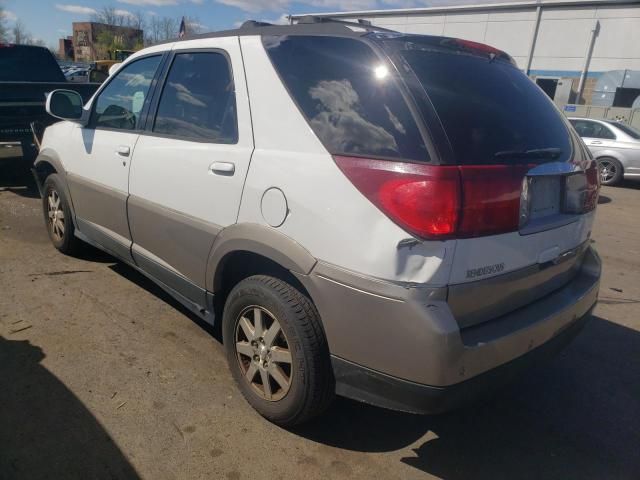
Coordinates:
[103,376]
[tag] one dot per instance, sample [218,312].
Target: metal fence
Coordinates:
[626,115]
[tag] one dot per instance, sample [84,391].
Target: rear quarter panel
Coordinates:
[327,215]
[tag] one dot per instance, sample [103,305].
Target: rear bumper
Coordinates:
[404,349]
[375,388]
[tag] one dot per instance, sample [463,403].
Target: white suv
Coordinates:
[398,219]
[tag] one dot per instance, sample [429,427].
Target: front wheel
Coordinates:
[57,216]
[611,171]
[276,350]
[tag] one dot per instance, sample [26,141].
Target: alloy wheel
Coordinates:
[607,171]
[263,353]
[56,215]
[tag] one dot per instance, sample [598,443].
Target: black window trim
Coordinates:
[145,108]
[162,80]
[434,157]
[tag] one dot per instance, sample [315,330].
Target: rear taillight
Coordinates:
[423,199]
[440,202]
[582,190]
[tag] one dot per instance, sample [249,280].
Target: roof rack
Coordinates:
[310,24]
[255,24]
[361,23]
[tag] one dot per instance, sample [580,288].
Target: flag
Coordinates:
[183,29]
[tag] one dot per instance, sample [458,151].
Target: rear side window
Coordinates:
[632,132]
[198,100]
[348,96]
[588,129]
[21,63]
[491,112]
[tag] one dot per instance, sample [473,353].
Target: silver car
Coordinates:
[615,145]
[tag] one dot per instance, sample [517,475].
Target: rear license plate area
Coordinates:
[545,195]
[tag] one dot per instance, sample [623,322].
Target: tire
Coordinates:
[311,386]
[610,170]
[57,216]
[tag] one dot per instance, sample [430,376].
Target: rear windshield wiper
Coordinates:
[533,153]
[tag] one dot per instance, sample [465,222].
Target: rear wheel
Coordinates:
[611,171]
[277,351]
[57,216]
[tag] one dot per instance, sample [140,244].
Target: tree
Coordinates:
[109,38]
[109,16]
[20,33]
[161,29]
[193,25]
[136,20]
[3,28]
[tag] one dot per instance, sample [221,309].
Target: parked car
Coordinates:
[615,145]
[361,216]
[27,73]
[77,75]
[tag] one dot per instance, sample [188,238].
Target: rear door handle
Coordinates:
[223,168]
[123,151]
[595,142]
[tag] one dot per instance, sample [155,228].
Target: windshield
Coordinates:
[491,112]
[20,63]
[631,131]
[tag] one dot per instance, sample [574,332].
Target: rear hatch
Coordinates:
[524,173]
[451,141]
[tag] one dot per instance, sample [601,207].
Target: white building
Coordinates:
[567,45]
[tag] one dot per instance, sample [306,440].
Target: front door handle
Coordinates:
[595,142]
[123,151]
[222,168]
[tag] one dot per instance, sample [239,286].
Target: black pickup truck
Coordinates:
[27,73]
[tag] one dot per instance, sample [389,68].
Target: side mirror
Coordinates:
[65,104]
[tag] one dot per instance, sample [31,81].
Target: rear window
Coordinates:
[491,112]
[348,96]
[28,64]
[631,131]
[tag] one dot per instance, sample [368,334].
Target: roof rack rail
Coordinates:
[255,24]
[361,23]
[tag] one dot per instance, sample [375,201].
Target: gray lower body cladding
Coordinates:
[375,388]
[410,336]
[179,241]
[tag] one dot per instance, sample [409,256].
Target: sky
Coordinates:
[50,20]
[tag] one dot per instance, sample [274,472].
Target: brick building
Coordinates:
[87,44]
[65,48]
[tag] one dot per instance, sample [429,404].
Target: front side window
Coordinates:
[588,129]
[348,95]
[198,99]
[120,103]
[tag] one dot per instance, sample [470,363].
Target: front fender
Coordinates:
[47,162]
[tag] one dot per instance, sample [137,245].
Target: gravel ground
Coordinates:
[103,376]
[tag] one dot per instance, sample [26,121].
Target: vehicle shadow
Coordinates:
[634,184]
[15,177]
[603,199]
[576,416]
[143,282]
[45,430]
